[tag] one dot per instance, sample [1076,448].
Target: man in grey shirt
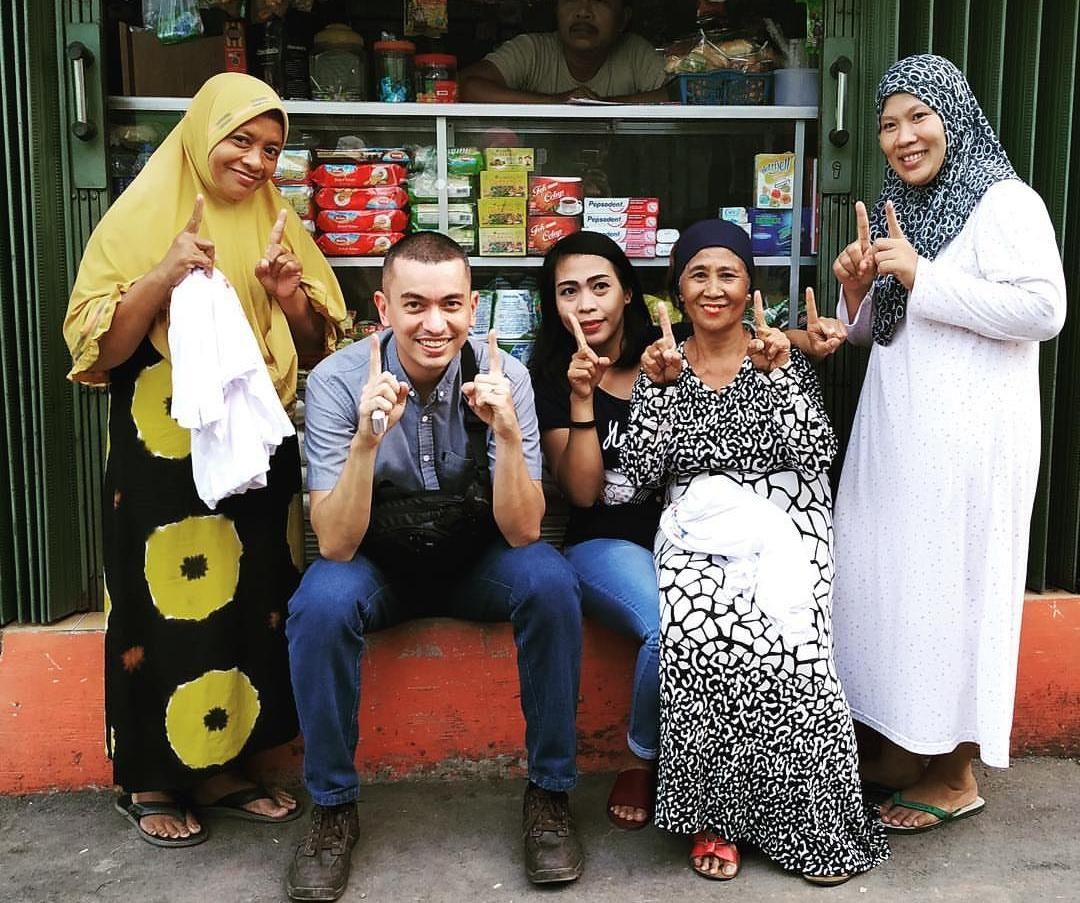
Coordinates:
[590,56]
[422,420]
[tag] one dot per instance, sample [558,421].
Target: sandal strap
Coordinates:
[634,787]
[705,844]
[144,810]
[240,798]
[939,814]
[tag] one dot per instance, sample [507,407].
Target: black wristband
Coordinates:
[582,424]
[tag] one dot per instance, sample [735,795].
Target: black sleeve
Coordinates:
[552,405]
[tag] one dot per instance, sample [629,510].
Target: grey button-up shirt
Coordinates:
[428,447]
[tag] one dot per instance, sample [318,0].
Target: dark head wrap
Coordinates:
[932,215]
[713,233]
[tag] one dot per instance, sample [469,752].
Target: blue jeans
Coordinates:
[618,589]
[338,602]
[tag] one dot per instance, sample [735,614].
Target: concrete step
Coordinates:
[441,699]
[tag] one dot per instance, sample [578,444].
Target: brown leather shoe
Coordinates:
[320,866]
[552,851]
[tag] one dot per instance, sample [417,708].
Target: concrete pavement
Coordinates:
[439,841]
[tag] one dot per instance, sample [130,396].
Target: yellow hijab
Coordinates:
[136,232]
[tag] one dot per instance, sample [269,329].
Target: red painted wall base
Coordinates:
[441,698]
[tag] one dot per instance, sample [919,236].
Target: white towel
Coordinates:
[718,516]
[221,390]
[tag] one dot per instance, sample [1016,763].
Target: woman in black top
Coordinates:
[594,328]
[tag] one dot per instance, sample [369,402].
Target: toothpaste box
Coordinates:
[634,250]
[626,236]
[638,206]
[501,211]
[510,158]
[504,183]
[502,241]
[620,220]
[774,180]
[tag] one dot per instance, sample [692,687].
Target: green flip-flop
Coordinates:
[943,816]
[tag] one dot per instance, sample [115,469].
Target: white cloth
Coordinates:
[718,516]
[934,503]
[221,389]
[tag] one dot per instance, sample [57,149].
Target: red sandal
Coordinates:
[705,843]
[634,787]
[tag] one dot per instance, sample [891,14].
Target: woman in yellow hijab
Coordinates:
[196,671]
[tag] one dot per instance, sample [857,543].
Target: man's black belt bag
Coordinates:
[436,532]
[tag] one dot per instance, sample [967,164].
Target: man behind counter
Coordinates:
[590,56]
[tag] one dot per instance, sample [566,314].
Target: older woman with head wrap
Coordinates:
[955,278]
[196,676]
[756,742]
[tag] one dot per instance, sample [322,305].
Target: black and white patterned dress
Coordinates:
[756,740]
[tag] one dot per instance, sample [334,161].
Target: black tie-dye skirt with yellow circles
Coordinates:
[196,668]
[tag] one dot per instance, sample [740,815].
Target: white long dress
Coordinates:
[934,504]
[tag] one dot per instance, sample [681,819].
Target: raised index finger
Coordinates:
[277,231]
[375,361]
[894,225]
[759,313]
[579,336]
[811,308]
[665,322]
[494,361]
[862,221]
[196,216]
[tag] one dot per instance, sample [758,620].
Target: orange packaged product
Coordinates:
[362,221]
[357,244]
[358,175]
[390,197]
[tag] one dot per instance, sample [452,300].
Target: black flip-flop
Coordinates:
[231,805]
[134,811]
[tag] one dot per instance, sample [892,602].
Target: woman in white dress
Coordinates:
[955,278]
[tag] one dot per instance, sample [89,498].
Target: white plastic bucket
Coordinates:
[795,87]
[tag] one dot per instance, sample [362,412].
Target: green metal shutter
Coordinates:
[1021,59]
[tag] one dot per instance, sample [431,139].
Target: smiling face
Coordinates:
[244,160]
[912,137]
[430,307]
[590,25]
[588,290]
[715,288]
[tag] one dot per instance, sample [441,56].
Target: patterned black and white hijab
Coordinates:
[932,215]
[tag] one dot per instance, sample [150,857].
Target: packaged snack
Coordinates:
[543,231]
[381,198]
[663,249]
[740,216]
[510,158]
[464,161]
[667,236]
[770,232]
[501,211]
[299,198]
[636,206]
[424,186]
[356,244]
[362,221]
[399,155]
[293,166]
[504,183]
[502,241]
[620,220]
[358,175]
[308,224]
[556,195]
[774,180]
[426,216]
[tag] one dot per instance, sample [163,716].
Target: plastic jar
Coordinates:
[393,71]
[337,64]
[436,78]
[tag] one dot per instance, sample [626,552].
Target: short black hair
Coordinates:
[425,247]
[555,345]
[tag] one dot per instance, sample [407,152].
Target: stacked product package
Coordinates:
[632,223]
[362,203]
[293,179]
[462,165]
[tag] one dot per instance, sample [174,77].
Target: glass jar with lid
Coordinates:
[436,78]
[337,64]
[393,70]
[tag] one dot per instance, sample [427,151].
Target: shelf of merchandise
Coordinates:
[450,119]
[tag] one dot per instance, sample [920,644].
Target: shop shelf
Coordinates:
[525,262]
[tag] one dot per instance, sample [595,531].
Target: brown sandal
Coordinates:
[634,787]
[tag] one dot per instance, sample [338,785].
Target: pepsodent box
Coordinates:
[639,206]
[620,220]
